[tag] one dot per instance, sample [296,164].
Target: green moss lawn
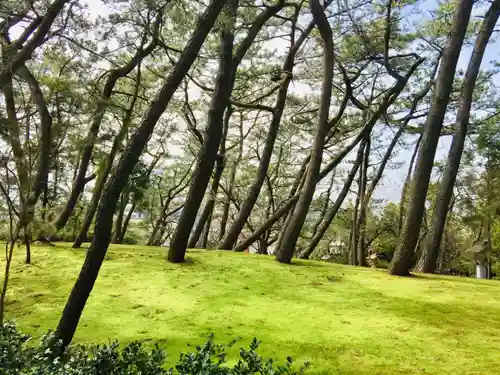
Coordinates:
[343,320]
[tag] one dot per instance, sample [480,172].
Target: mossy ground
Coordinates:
[343,320]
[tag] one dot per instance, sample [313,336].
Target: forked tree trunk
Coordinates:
[102,234]
[402,260]
[428,260]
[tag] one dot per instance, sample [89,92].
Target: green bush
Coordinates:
[18,357]
[131,237]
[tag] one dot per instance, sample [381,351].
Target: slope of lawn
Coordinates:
[342,320]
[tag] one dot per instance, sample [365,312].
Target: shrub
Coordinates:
[17,357]
[132,237]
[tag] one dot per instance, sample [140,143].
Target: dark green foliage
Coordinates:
[16,357]
[11,348]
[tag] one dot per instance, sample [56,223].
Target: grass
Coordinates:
[343,320]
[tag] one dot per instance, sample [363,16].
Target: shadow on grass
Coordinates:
[449,315]
[471,281]
[306,263]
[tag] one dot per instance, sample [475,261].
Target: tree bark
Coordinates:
[102,104]
[353,238]
[266,225]
[203,241]
[324,209]
[100,241]
[102,178]
[428,260]
[27,243]
[402,260]
[242,50]
[211,142]
[363,205]
[236,227]
[44,155]
[292,232]
[406,186]
[229,193]
[119,218]
[38,35]
[296,186]
[126,222]
[99,187]
[330,215]
[387,100]
[205,218]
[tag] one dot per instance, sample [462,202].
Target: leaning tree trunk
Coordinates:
[102,234]
[115,74]
[266,225]
[353,238]
[388,99]
[119,217]
[159,226]
[126,222]
[380,171]
[359,244]
[402,260]
[236,60]
[406,186]
[27,243]
[205,219]
[154,237]
[254,29]
[211,142]
[296,186]
[39,182]
[203,241]
[99,187]
[428,260]
[102,178]
[236,227]
[44,156]
[330,214]
[324,209]
[292,232]
[39,27]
